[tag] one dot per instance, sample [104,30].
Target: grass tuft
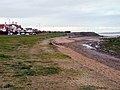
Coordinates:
[89,87]
[21,66]
[25,72]
[3,56]
[47,70]
[53,56]
[8,86]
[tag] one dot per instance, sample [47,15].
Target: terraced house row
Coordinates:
[15,29]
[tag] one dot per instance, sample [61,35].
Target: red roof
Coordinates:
[2,25]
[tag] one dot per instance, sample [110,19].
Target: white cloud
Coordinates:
[61,12]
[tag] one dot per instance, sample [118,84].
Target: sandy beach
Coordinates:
[104,64]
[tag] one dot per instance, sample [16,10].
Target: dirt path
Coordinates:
[107,71]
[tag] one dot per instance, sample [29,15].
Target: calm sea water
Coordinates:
[114,35]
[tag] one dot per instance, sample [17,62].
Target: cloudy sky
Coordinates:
[61,12]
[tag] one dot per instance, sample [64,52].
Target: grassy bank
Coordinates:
[111,46]
[22,57]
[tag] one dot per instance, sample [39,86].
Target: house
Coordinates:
[10,29]
[3,29]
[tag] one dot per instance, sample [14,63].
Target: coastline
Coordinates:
[107,65]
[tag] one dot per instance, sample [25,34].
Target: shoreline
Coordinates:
[104,64]
[98,56]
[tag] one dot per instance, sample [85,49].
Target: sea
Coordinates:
[114,34]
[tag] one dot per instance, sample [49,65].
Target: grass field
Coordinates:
[18,61]
[32,63]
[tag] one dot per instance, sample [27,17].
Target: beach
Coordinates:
[105,64]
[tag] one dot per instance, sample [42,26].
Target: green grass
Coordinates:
[53,56]
[4,56]
[49,70]
[17,62]
[20,65]
[41,70]
[38,70]
[19,46]
[111,45]
[89,87]
[9,86]
[9,43]
[25,72]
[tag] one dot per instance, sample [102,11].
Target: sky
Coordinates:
[85,13]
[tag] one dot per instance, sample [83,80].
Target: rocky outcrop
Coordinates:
[82,34]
